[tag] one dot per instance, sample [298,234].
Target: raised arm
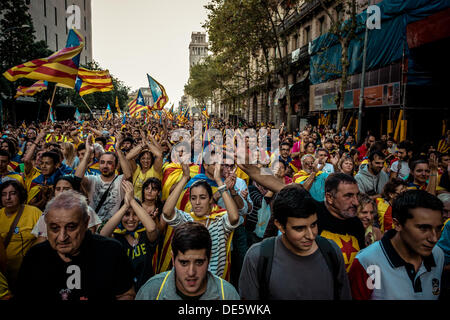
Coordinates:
[230,205]
[268,181]
[432,183]
[124,164]
[27,159]
[146,220]
[81,169]
[171,202]
[157,152]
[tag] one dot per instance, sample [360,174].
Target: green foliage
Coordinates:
[17,43]
[97,100]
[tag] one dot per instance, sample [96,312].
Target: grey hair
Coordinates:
[67,200]
[306,156]
[444,197]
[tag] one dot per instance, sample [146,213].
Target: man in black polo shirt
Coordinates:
[337,218]
[74,264]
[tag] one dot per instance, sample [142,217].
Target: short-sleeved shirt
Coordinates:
[140,257]
[101,271]
[97,187]
[392,277]
[220,230]
[293,277]
[21,240]
[403,172]
[347,233]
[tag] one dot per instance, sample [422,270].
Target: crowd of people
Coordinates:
[106,210]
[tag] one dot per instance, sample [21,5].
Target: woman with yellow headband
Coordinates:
[220,223]
[135,229]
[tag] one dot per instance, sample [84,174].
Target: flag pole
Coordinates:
[51,104]
[89,109]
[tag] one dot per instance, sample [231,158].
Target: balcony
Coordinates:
[305,9]
[295,58]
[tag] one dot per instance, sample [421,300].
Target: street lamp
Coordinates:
[361,91]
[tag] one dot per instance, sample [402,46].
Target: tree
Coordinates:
[244,28]
[344,29]
[17,45]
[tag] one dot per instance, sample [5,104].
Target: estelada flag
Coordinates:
[108,113]
[137,105]
[89,81]
[38,86]
[205,112]
[159,95]
[61,66]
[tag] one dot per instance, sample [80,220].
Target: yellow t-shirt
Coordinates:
[4,291]
[21,239]
[139,178]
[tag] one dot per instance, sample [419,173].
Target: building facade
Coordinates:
[50,20]
[198,50]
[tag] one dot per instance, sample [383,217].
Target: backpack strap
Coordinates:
[264,267]
[162,285]
[330,255]
[221,287]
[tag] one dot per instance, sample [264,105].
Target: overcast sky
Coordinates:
[135,37]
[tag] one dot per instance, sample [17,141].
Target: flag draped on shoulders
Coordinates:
[302,175]
[172,173]
[38,86]
[61,66]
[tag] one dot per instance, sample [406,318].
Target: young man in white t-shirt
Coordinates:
[98,185]
[400,168]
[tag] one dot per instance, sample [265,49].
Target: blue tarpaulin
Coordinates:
[384,46]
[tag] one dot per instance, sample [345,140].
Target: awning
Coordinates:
[429,29]
[301,86]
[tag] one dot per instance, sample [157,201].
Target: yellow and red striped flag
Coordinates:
[89,81]
[117,107]
[137,105]
[38,86]
[61,66]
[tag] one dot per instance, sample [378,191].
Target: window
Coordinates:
[84,3]
[84,23]
[85,60]
[45,8]
[45,34]
[56,17]
[307,35]
[86,43]
[65,4]
[295,43]
[322,25]
[66,25]
[339,13]
[56,41]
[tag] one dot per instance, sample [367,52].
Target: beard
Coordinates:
[108,174]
